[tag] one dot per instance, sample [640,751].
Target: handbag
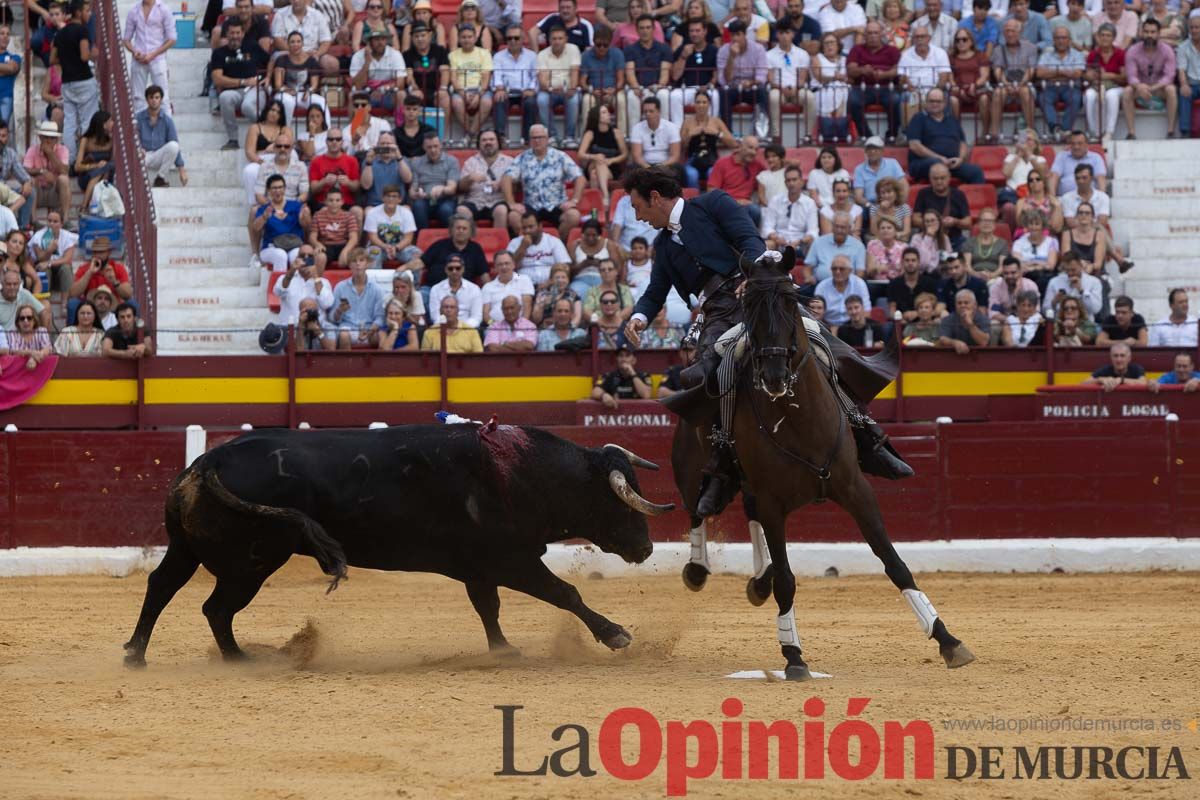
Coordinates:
[106,201]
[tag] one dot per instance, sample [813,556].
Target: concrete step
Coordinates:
[231,162]
[202,260]
[209,343]
[188,197]
[222,318]
[201,301]
[1126,229]
[1173,169]
[204,237]
[202,214]
[215,276]
[196,140]
[1155,149]
[1182,188]
[206,179]
[1162,248]
[1166,207]
[1157,280]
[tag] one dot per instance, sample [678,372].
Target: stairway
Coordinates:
[1156,209]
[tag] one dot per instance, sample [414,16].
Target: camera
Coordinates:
[311,315]
[309,260]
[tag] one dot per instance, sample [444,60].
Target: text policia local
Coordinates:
[632,743]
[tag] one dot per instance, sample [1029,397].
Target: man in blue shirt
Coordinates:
[10,67]
[579,30]
[1034,27]
[160,141]
[869,173]
[935,136]
[602,74]
[1184,374]
[983,26]
[1061,70]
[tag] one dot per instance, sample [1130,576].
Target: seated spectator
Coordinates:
[1072,281]
[626,382]
[1091,242]
[46,161]
[512,332]
[235,72]
[105,301]
[93,159]
[1077,23]
[816,307]
[891,202]
[399,333]
[337,170]
[1123,326]
[985,251]
[958,279]
[561,326]
[1184,374]
[885,253]
[859,330]
[301,282]
[1060,69]
[840,285]
[412,130]
[912,283]
[966,327]
[737,175]
[1013,63]
[16,259]
[1005,290]
[313,140]
[829,246]
[1171,22]
[1178,329]
[53,18]
[625,227]
[159,140]
[590,250]
[639,267]
[29,339]
[701,138]
[1018,166]
[757,27]
[671,381]
[536,251]
[461,242]
[746,80]
[295,77]
[923,68]
[318,32]
[378,69]
[770,180]
[656,141]
[873,69]
[610,324]
[1086,192]
[1039,199]
[842,203]
[390,230]
[647,70]
[603,150]
[405,293]
[479,192]
[1106,65]
[122,340]
[558,84]
[557,289]
[662,335]
[579,31]
[827,170]
[470,82]
[1187,57]
[608,283]
[790,219]
[506,284]
[983,27]
[334,231]
[948,201]
[1062,173]
[99,270]
[932,242]
[459,338]
[295,180]
[1150,70]
[1120,370]
[894,18]
[382,166]
[1073,327]
[1024,327]
[874,169]
[468,297]
[542,172]
[424,27]
[1034,27]
[1038,251]
[53,250]
[694,71]
[279,218]
[516,83]
[355,305]
[13,296]
[358,139]
[84,337]
[941,26]
[366,23]
[924,327]
[622,18]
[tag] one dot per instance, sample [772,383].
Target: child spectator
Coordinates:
[390,228]
[334,231]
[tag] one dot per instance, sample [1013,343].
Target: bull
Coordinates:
[475,503]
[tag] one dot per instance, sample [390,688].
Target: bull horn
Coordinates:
[634,458]
[623,490]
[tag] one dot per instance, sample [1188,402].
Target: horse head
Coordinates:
[769,304]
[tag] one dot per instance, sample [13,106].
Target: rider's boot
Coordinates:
[702,369]
[722,481]
[876,456]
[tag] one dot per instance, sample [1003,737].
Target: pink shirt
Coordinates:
[1156,68]
[147,33]
[34,159]
[503,332]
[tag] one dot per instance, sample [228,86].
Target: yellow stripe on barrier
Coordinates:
[971,384]
[86,392]
[209,391]
[417,389]
[532,389]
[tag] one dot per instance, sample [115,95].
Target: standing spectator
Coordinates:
[985,251]
[14,175]
[235,71]
[382,166]
[391,229]
[1187,57]
[1178,329]
[1120,371]
[1183,374]
[411,131]
[81,94]
[280,218]
[100,270]
[335,171]
[159,139]
[1024,327]
[355,302]
[838,288]
[737,175]
[10,67]
[790,219]
[967,327]
[648,66]
[830,246]
[301,282]
[1123,21]
[558,83]
[428,70]
[858,330]
[461,242]
[121,340]
[1061,71]
[506,285]
[904,291]
[334,231]
[378,69]
[602,78]
[694,70]
[984,28]
[742,75]
[626,382]
[787,76]
[922,69]
[542,172]
[936,139]
[468,297]
[512,333]
[516,82]
[561,327]
[313,26]
[53,250]
[875,167]
[435,185]
[470,83]
[479,183]
[948,202]
[459,338]
[1062,172]
[578,30]
[46,161]
[149,34]
[1150,69]
[1013,63]
[873,67]
[1123,325]
[1072,281]
[1077,24]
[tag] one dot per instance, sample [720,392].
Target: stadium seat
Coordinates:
[990,158]
[443,7]
[898,153]
[591,201]
[541,7]
[851,158]
[979,196]
[913,191]
[334,276]
[1002,231]
[614,197]
[805,157]
[492,240]
[573,237]
[428,236]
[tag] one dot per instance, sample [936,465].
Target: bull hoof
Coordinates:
[797,672]
[957,656]
[759,589]
[618,640]
[694,576]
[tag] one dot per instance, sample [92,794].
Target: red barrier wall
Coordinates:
[974,480]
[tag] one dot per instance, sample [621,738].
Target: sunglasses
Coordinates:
[961,39]
[24,319]
[608,302]
[513,38]
[361,105]
[454,269]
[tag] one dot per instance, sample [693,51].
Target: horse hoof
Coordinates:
[797,672]
[135,661]
[958,656]
[619,640]
[694,576]
[506,652]
[759,589]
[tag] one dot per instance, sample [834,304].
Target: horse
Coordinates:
[794,448]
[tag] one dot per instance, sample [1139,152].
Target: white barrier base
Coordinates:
[808,559]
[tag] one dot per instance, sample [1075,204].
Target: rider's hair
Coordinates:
[661,179]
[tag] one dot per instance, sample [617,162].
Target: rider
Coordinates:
[697,251]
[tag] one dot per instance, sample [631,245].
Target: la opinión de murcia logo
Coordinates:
[633,743]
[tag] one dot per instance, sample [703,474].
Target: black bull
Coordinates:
[475,504]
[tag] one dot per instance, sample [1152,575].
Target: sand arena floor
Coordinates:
[390,693]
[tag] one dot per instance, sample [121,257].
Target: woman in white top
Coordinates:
[84,337]
[829,78]
[591,249]
[1017,165]
[843,202]
[311,141]
[820,180]
[404,293]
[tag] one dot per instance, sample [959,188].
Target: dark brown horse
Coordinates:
[795,448]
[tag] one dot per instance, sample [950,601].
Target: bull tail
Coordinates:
[324,548]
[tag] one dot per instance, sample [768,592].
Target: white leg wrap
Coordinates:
[758,545]
[926,613]
[786,625]
[699,537]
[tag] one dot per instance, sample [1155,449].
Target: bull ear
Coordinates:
[789,260]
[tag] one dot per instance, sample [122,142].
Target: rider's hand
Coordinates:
[633,331]
[770,257]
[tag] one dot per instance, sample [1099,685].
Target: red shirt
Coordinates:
[1115,64]
[738,180]
[98,279]
[342,165]
[884,59]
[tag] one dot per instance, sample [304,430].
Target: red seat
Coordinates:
[990,158]
[614,198]
[979,196]
[689,193]
[542,7]
[442,7]
[591,201]
[334,276]
[573,237]
[851,158]
[804,157]
[913,191]
[492,240]
[898,153]
[1002,231]
[428,236]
